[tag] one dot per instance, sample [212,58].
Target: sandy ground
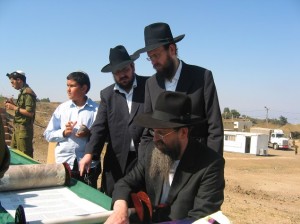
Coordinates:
[262,189]
[259,189]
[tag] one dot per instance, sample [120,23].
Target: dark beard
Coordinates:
[160,164]
[128,86]
[168,70]
[173,150]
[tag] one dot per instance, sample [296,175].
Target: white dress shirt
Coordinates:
[70,147]
[129,102]
[172,84]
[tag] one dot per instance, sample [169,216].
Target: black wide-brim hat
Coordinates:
[172,110]
[119,58]
[156,35]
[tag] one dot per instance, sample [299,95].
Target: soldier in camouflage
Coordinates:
[24,113]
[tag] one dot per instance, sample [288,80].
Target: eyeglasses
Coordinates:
[155,56]
[153,133]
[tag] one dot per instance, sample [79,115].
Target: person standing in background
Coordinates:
[69,127]
[24,113]
[174,75]
[120,103]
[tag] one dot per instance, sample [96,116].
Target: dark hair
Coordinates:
[81,78]
[188,127]
[16,75]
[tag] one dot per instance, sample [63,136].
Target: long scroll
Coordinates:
[19,177]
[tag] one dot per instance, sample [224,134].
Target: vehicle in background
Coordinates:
[277,140]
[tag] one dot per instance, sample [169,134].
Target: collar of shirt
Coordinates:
[171,85]
[88,103]
[24,86]
[127,95]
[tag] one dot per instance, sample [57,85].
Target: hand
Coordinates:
[120,213]
[83,131]
[69,128]
[10,106]
[10,101]
[85,164]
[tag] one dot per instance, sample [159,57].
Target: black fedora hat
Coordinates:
[118,58]
[156,35]
[172,110]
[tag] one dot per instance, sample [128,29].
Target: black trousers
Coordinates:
[90,178]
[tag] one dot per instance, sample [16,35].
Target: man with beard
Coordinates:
[120,103]
[182,177]
[174,75]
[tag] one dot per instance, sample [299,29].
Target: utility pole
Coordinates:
[267,115]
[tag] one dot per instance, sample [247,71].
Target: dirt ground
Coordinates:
[262,189]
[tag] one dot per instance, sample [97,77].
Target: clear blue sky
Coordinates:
[251,46]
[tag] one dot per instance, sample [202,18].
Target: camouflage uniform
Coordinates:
[23,125]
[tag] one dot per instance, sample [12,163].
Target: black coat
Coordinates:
[197,83]
[115,125]
[197,189]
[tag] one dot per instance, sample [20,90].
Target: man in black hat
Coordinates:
[24,113]
[175,75]
[182,177]
[120,103]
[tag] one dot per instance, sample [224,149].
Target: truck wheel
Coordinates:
[275,146]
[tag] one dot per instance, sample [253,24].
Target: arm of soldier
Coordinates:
[30,106]
[24,112]
[17,109]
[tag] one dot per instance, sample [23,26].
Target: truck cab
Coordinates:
[277,139]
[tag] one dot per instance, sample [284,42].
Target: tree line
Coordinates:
[233,113]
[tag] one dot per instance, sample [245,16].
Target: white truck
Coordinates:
[276,137]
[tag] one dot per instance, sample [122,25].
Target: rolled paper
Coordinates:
[19,177]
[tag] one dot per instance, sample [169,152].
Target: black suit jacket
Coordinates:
[197,189]
[197,83]
[115,125]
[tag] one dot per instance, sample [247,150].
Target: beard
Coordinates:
[166,71]
[126,85]
[160,164]
[162,159]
